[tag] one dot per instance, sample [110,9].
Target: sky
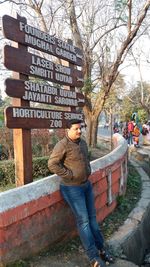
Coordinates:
[131,73]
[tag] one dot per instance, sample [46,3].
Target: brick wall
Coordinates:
[34,216]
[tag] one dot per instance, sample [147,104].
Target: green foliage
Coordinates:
[1,100]
[20,263]
[1,112]
[36,150]
[7,170]
[40,168]
[1,118]
[88,87]
[2,175]
[132,102]
[133,182]
[54,139]
[127,109]
[122,203]
[6,139]
[133,188]
[142,114]
[6,102]
[3,104]
[40,141]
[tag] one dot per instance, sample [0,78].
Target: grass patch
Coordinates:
[21,263]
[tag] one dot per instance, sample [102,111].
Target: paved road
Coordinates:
[104,131]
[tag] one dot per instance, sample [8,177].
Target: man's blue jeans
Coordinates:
[130,138]
[81,200]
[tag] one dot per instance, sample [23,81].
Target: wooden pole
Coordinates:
[22,139]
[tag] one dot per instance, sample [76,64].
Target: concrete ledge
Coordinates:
[132,238]
[142,156]
[120,148]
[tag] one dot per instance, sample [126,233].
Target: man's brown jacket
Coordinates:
[69,160]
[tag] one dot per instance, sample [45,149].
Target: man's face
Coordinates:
[74,132]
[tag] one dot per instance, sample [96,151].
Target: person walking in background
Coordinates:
[136,134]
[106,125]
[69,160]
[130,130]
[146,133]
[125,133]
[116,127]
[121,126]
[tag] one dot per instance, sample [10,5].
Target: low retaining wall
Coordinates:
[132,239]
[34,216]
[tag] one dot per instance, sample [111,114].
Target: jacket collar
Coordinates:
[77,141]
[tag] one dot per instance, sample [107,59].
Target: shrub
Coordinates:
[7,170]
[40,168]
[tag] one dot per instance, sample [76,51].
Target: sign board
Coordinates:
[23,33]
[34,118]
[23,118]
[33,65]
[43,93]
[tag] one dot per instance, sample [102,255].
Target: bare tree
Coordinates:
[104,31]
[108,69]
[144,96]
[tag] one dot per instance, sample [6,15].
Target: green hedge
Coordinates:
[40,167]
[7,170]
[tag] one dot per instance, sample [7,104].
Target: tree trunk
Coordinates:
[92,129]
[94,132]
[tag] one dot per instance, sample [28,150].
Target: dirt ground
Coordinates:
[74,259]
[104,148]
[71,259]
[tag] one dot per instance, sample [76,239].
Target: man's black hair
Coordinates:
[73,121]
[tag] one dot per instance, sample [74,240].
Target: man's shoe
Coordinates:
[97,263]
[106,257]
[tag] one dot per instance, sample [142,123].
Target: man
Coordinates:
[136,134]
[130,130]
[69,160]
